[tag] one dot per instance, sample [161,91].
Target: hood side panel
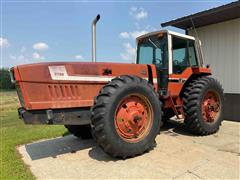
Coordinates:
[69,85]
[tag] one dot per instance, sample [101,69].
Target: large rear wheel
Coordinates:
[203,106]
[126,117]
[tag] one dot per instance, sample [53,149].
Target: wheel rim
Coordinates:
[133,118]
[211,107]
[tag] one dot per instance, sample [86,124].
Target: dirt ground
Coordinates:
[178,155]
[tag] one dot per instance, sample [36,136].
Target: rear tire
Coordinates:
[203,106]
[80,131]
[110,119]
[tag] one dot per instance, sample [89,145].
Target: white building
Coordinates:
[219,31]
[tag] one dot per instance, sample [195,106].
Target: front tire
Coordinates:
[203,106]
[126,117]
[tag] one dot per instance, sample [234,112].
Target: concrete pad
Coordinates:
[215,170]
[178,155]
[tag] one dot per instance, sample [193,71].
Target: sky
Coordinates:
[46,31]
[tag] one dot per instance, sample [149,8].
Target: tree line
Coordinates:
[5,80]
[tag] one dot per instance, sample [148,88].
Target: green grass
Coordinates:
[14,133]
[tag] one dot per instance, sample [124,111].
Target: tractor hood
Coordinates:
[76,71]
[67,84]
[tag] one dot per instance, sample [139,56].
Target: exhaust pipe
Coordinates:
[94,37]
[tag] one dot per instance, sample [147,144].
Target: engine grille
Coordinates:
[64,92]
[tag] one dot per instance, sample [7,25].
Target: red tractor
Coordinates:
[123,105]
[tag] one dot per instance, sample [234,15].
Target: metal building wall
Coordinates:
[221,49]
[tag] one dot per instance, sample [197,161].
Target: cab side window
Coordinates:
[180,55]
[184,54]
[192,53]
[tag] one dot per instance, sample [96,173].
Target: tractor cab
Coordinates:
[171,53]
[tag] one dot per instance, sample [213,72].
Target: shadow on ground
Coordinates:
[175,128]
[57,146]
[71,144]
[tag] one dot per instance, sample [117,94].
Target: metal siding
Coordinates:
[221,49]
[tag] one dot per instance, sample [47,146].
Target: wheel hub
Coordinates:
[133,118]
[210,107]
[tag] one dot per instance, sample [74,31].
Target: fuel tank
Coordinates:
[67,84]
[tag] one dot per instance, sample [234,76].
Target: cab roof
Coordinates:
[168,32]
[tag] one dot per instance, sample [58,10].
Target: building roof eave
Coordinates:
[211,16]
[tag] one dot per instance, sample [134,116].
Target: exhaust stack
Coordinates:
[94,37]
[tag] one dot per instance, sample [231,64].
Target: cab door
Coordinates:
[162,66]
[182,59]
[154,50]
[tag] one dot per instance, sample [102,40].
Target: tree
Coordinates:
[5,80]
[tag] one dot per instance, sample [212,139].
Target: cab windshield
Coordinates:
[153,50]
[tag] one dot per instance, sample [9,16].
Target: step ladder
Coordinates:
[177,108]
